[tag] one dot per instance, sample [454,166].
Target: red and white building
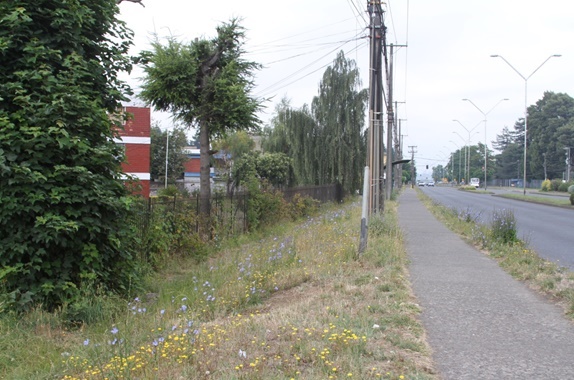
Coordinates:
[135,137]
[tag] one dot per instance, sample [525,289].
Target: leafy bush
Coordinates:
[564,186]
[169,228]
[62,220]
[276,168]
[556,184]
[503,226]
[301,206]
[546,185]
[571,189]
[572,199]
[170,191]
[265,204]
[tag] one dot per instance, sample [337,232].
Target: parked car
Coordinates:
[475,182]
[430,183]
[420,183]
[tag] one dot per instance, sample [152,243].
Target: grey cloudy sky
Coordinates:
[447,59]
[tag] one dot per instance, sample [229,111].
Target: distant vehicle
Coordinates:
[430,183]
[475,182]
[420,183]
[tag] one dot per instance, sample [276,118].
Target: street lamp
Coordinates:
[485,139]
[468,146]
[525,105]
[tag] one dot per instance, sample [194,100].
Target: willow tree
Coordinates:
[293,133]
[339,111]
[326,141]
[206,85]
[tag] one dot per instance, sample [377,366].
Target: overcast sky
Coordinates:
[447,59]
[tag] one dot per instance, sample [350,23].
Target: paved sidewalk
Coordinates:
[480,322]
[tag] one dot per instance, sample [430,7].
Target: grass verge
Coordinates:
[295,302]
[545,277]
[547,200]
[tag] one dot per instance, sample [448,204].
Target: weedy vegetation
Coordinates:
[294,301]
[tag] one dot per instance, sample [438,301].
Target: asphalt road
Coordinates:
[548,230]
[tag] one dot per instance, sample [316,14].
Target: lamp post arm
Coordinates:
[465,128]
[542,64]
[475,106]
[512,67]
[496,105]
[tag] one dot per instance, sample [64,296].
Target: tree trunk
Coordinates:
[204,172]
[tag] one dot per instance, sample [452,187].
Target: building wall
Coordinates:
[137,142]
[192,165]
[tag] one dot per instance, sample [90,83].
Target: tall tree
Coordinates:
[339,111]
[509,162]
[545,119]
[205,84]
[63,203]
[325,141]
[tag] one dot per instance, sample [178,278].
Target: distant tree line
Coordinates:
[550,130]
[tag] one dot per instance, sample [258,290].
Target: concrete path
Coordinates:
[480,322]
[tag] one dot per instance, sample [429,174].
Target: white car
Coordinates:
[430,183]
[475,182]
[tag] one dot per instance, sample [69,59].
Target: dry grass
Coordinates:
[298,304]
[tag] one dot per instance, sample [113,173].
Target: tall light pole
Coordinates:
[485,139]
[525,105]
[468,146]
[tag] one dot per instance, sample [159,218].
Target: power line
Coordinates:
[325,46]
[303,33]
[271,49]
[276,86]
[359,13]
[392,21]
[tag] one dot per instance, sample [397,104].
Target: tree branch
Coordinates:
[132,1]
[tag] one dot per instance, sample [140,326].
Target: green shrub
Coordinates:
[571,189]
[62,219]
[546,185]
[265,204]
[564,186]
[572,199]
[556,184]
[167,229]
[503,227]
[302,206]
[169,192]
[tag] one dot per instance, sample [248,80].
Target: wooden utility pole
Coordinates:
[390,122]
[412,151]
[377,33]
